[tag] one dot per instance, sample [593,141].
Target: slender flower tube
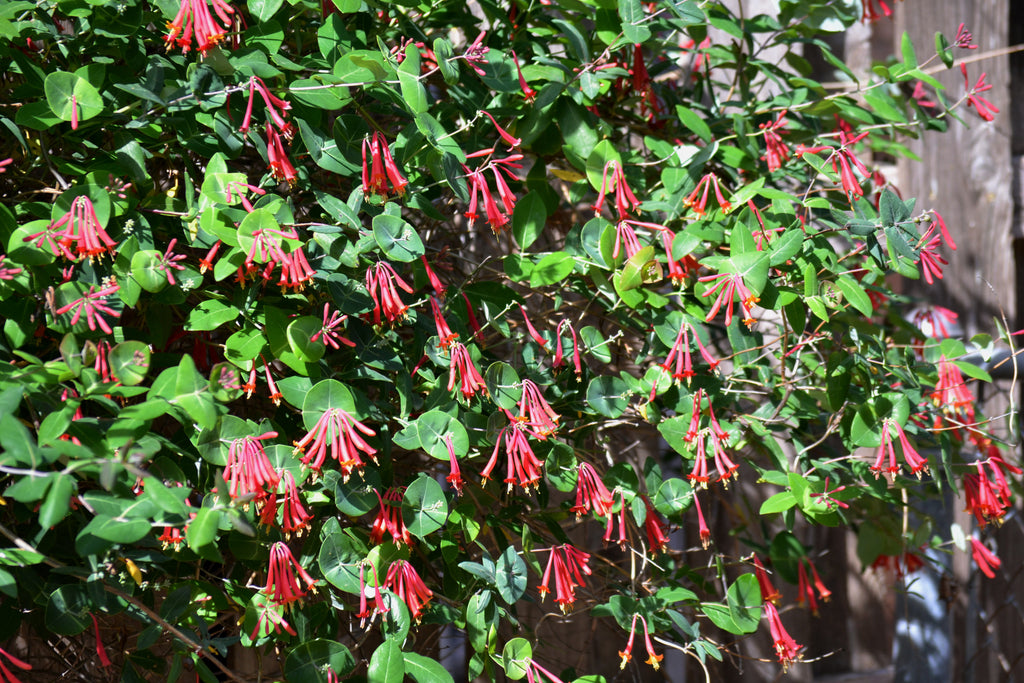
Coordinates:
[568,565]
[986,560]
[529,94]
[769,593]
[24,666]
[506,137]
[295,518]
[786,648]
[249,473]
[92,306]
[524,469]
[986,110]
[381,176]
[463,369]
[327,330]
[591,493]
[698,199]
[702,526]
[287,581]
[776,153]
[337,434]
[195,21]
[403,580]
[531,329]
[536,411]
[455,476]
[433,279]
[389,518]
[381,281]
[620,516]
[656,528]
[728,286]
[805,594]
[913,460]
[445,336]
[277,159]
[558,360]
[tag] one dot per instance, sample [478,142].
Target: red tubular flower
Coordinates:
[986,560]
[699,205]
[699,474]
[475,53]
[455,476]
[506,137]
[558,361]
[901,565]
[591,493]
[4,163]
[277,159]
[653,658]
[963,38]
[844,161]
[403,580]
[929,259]
[656,528]
[381,281]
[271,620]
[535,673]
[625,236]
[524,468]
[621,517]
[296,519]
[169,261]
[805,594]
[7,273]
[627,654]
[92,307]
[433,279]
[914,461]
[536,411]
[249,473]
[777,152]
[81,227]
[10,677]
[769,593]
[625,200]
[295,271]
[984,500]
[381,176]
[702,526]
[287,581]
[327,331]
[338,433]
[172,537]
[786,648]
[389,518]
[569,565]
[826,498]
[474,324]
[195,21]
[275,395]
[823,592]
[445,335]
[277,108]
[728,286]
[101,652]
[951,392]
[462,367]
[985,109]
[529,94]
[641,79]
[680,353]
[531,329]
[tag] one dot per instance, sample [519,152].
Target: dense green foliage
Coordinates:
[285,288]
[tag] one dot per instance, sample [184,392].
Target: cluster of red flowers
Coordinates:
[568,565]
[653,658]
[194,21]
[787,649]
[381,282]
[913,459]
[381,176]
[80,227]
[719,439]
[336,433]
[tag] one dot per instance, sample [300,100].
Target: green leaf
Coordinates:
[674,497]
[300,334]
[413,92]
[424,506]
[515,658]
[397,239]
[693,121]
[503,385]
[634,21]
[425,670]
[67,610]
[907,50]
[70,96]
[202,531]
[264,10]
[209,314]
[309,661]
[432,428]
[855,294]
[780,502]
[510,576]
[146,271]
[129,362]
[387,665]
[55,506]
[340,559]
[943,50]
[744,600]
[552,269]
[720,616]
[528,219]
[608,395]
[604,153]
[191,392]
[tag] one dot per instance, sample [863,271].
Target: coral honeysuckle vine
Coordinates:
[330,325]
